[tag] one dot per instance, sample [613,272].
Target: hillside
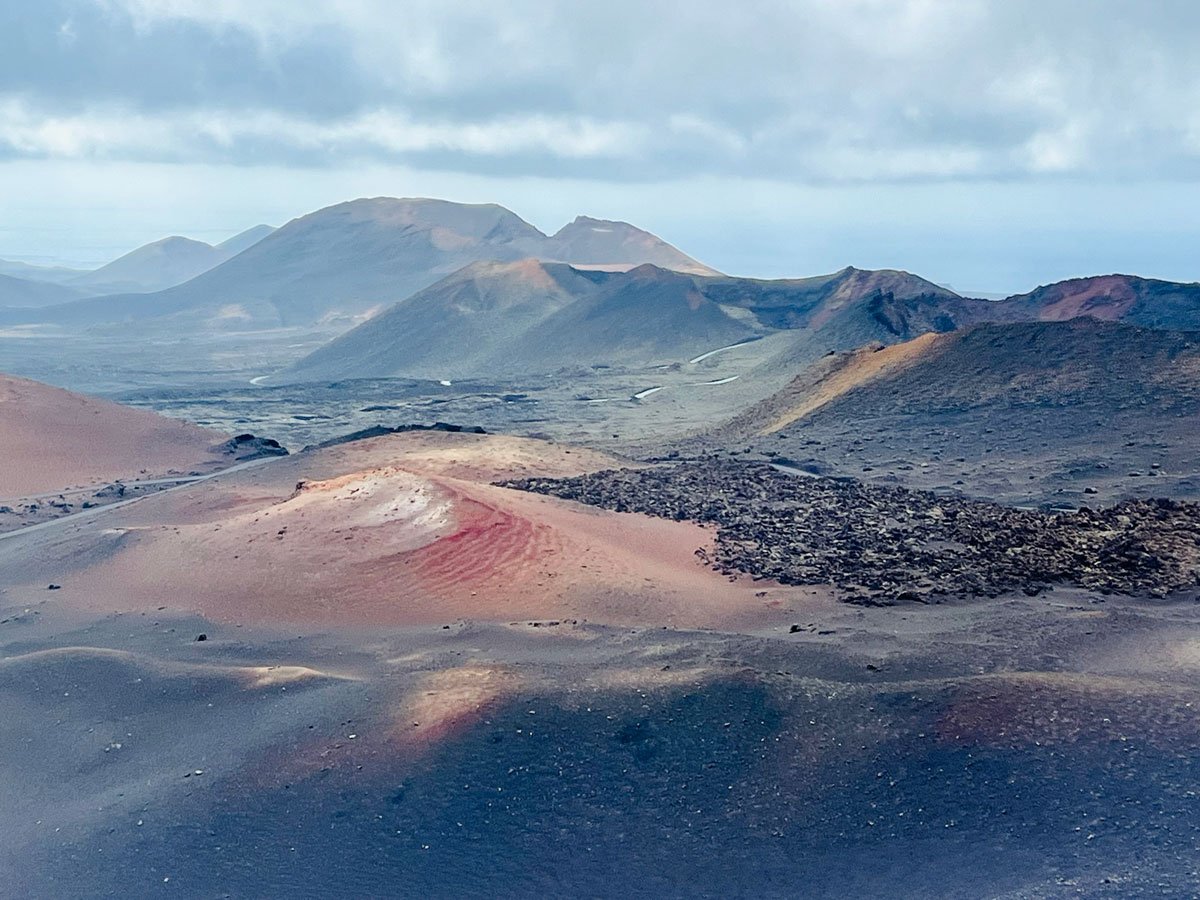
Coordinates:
[1114,298]
[26,293]
[51,440]
[536,317]
[617,245]
[336,265]
[1025,410]
[30,272]
[244,240]
[853,308]
[815,301]
[433,540]
[166,263]
[529,316]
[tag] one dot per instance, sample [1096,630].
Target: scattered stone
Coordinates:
[880,544]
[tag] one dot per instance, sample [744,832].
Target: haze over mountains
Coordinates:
[25,292]
[536,317]
[30,272]
[448,290]
[166,263]
[155,266]
[340,263]
[489,319]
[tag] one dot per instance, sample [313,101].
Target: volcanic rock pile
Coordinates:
[882,544]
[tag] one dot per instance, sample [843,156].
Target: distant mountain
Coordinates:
[1009,410]
[491,318]
[337,267]
[815,301]
[244,240]
[853,308]
[617,245]
[891,305]
[846,309]
[536,317]
[339,264]
[166,263]
[26,293]
[155,266]
[28,272]
[1114,298]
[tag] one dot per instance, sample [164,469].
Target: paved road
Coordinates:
[176,482]
[792,470]
[91,489]
[704,356]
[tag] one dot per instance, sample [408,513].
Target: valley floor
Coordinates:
[1020,748]
[369,670]
[372,670]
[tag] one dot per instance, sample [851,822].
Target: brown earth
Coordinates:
[402,529]
[341,730]
[1063,413]
[51,440]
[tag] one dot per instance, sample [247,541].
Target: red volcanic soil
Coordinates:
[51,439]
[1107,297]
[403,529]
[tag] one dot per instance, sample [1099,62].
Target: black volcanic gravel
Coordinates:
[881,544]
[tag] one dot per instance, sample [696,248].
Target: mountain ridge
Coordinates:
[641,316]
[27,293]
[495,317]
[344,262]
[167,262]
[815,315]
[1007,410]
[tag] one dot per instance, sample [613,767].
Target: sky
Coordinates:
[992,145]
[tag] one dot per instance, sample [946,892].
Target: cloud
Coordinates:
[817,91]
[193,136]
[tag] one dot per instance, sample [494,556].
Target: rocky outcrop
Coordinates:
[245,447]
[381,430]
[881,545]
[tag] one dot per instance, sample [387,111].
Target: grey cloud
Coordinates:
[816,91]
[72,54]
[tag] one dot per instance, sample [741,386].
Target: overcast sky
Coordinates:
[989,144]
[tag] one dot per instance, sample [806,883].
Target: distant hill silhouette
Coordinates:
[340,263]
[166,263]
